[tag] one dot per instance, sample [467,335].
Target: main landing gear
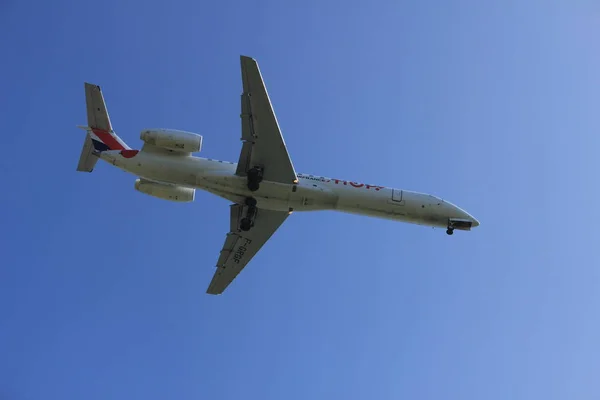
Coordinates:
[248,221]
[255,177]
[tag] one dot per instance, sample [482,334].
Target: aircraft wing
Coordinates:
[240,247]
[263,143]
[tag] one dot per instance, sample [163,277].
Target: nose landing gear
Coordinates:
[462,224]
[450,229]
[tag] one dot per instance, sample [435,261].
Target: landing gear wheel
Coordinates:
[255,177]
[246,224]
[255,174]
[450,231]
[253,186]
[250,202]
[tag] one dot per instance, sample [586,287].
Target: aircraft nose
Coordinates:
[457,212]
[469,217]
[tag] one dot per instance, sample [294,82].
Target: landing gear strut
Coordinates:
[248,221]
[255,177]
[450,229]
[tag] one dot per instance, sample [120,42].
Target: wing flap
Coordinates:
[246,115]
[244,162]
[230,241]
[235,214]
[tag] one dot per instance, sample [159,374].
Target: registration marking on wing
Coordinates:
[241,250]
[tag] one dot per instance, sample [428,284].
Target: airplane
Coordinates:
[262,186]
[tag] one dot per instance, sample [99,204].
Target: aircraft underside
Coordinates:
[263,186]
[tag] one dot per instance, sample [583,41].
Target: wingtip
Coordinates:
[91,85]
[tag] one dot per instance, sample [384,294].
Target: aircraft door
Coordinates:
[397,197]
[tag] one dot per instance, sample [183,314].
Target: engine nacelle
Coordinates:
[166,192]
[172,139]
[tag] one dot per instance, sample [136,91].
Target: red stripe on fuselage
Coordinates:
[108,139]
[129,153]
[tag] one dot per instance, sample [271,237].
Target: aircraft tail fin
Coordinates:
[100,134]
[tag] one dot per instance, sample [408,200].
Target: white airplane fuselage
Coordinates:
[263,186]
[310,193]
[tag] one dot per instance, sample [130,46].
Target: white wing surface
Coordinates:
[263,143]
[240,247]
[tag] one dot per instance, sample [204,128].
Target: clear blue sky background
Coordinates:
[494,106]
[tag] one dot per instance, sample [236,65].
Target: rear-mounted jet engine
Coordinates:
[164,191]
[172,139]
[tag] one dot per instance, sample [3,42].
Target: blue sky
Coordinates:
[491,105]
